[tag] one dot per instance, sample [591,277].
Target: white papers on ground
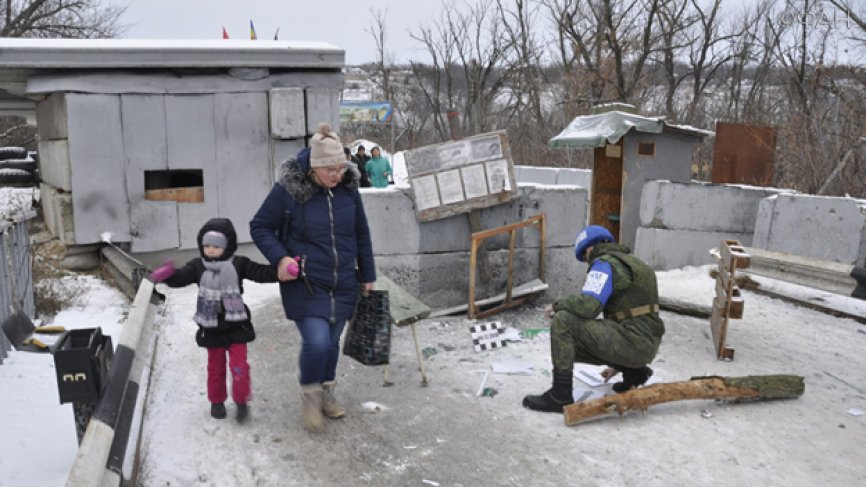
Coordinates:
[587,394]
[512,366]
[591,376]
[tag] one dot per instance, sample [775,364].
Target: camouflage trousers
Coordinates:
[630,343]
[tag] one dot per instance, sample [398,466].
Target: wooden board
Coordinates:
[719,328]
[405,308]
[181,195]
[606,197]
[460,176]
[734,255]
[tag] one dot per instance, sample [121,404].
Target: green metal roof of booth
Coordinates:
[588,131]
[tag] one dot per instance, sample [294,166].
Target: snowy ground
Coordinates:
[445,434]
[38,441]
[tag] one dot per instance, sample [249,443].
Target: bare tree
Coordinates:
[60,18]
[613,39]
[468,52]
[384,59]
[435,80]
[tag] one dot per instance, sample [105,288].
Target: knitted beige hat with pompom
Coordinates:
[326,148]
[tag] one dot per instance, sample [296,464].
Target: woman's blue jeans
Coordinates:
[320,349]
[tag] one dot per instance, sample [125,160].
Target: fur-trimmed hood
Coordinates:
[293,176]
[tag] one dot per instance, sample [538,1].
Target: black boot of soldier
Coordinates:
[632,378]
[555,398]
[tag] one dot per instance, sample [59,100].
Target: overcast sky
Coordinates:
[339,22]
[343,23]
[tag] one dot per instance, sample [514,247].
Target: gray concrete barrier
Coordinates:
[561,176]
[822,227]
[681,222]
[431,259]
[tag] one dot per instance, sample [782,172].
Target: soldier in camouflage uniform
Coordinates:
[624,288]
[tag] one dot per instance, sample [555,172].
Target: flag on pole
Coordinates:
[252,31]
[277,34]
[225,34]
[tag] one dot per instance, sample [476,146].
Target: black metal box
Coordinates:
[82,360]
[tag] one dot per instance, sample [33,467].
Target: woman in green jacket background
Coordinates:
[378,169]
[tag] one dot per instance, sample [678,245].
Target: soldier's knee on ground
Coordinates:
[559,325]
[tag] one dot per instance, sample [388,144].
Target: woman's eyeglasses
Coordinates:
[334,170]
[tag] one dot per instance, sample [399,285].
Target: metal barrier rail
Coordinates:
[16,273]
[100,457]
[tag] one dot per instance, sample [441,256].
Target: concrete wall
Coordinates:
[431,259]
[554,176]
[680,222]
[672,162]
[823,227]
[98,143]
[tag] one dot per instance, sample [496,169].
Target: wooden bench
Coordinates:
[405,310]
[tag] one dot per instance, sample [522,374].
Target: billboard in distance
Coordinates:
[366,112]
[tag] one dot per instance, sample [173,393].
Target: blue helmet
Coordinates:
[589,236]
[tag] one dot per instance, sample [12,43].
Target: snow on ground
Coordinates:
[38,441]
[14,201]
[444,433]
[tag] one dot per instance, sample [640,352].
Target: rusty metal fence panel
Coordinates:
[16,273]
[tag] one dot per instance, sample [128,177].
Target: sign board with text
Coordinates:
[461,176]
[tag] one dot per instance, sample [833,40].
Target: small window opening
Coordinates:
[181,185]
[646,149]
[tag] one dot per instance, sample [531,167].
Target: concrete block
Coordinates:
[574,177]
[287,113]
[671,249]
[242,135]
[566,210]
[51,117]
[284,149]
[96,151]
[63,218]
[537,175]
[828,228]
[54,165]
[46,199]
[395,230]
[442,280]
[701,206]
[323,105]
[57,213]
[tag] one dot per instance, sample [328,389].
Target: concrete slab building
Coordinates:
[146,139]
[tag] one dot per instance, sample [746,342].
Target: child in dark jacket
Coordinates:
[224,325]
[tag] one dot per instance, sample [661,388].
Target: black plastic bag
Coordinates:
[368,339]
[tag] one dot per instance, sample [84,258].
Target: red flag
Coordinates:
[225,34]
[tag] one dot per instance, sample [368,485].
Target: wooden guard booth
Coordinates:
[628,150]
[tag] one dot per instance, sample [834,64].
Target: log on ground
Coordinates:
[751,388]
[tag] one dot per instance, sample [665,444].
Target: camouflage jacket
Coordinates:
[634,285]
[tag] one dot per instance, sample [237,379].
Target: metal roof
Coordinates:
[588,131]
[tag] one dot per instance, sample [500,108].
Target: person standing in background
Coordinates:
[378,169]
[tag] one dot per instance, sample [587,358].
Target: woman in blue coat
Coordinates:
[314,214]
